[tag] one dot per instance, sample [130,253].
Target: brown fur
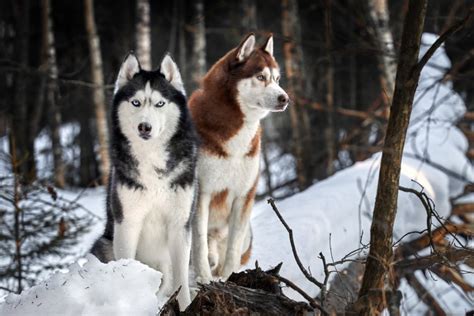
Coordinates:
[214,108]
[246,255]
[250,197]
[219,199]
[255,144]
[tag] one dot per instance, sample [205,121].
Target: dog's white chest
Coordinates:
[237,172]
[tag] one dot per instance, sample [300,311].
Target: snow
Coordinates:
[333,217]
[124,287]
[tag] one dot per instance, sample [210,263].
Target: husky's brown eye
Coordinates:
[160,104]
[277,79]
[261,77]
[135,103]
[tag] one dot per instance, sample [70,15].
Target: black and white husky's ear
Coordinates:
[246,47]
[268,46]
[170,70]
[130,67]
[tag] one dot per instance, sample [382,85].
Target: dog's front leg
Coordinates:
[126,235]
[180,250]
[200,246]
[127,230]
[238,225]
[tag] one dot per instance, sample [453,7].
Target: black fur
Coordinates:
[182,149]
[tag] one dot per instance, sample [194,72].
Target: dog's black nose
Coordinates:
[144,128]
[283,99]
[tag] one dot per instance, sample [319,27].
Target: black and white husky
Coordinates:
[152,185]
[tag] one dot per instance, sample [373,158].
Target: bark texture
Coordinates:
[330,133]
[380,17]
[380,254]
[21,145]
[251,292]
[51,93]
[143,34]
[98,90]
[198,61]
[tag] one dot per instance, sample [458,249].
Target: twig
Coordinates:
[293,286]
[424,295]
[407,266]
[441,39]
[326,278]
[427,203]
[6,289]
[293,246]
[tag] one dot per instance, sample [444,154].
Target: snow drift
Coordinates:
[124,287]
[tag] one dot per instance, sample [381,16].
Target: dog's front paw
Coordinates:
[203,279]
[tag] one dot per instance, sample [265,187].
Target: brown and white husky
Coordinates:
[238,91]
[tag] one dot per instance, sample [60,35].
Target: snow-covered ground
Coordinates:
[332,217]
[124,287]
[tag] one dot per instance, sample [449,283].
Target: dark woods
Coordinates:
[59,60]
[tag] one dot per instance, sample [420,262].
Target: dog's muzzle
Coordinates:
[283,101]
[144,130]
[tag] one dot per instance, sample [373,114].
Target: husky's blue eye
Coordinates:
[261,77]
[160,104]
[135,103]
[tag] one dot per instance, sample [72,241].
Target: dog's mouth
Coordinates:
[280,108]
[145,136]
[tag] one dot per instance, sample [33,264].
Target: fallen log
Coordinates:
[251,292]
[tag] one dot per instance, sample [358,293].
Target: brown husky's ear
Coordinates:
[268,45]
[130,67]
[246,47]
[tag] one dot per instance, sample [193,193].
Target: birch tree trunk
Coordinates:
[143,34]
[293,55]
[380,255]
[380,17]
[198,61]
[51,93]
[98,93]
[182,41]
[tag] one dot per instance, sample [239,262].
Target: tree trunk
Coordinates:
[174,29]
[88,172]
[51,92]
[293,55]
[143,34]
[380,254]
[380,17]
[249,15]
[17,219]
[98,95]
[182,40]
[330,132]
[198,62]
[23,149]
